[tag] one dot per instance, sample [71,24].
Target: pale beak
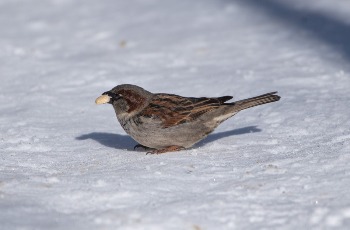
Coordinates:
[103,99]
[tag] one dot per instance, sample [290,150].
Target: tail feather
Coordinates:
[254,101]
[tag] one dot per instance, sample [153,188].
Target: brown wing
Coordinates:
[174,110]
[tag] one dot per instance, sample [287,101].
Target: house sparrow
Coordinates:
[168,122]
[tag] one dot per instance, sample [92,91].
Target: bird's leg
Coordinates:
[172,148]
[142,146]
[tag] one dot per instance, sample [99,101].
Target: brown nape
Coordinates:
[133,99]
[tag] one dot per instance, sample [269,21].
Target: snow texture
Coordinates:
[67,164]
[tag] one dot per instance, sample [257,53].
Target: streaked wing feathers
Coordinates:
[174,110]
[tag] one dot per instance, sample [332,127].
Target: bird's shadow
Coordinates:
[118,141]
[111,140]
[216,136]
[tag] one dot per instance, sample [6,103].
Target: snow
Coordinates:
[67,164]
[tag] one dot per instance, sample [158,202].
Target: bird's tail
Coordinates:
[254,101]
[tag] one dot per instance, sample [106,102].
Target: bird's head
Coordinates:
[126,99]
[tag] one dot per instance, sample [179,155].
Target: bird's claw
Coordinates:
[140,146]
[159,151]
[167,149]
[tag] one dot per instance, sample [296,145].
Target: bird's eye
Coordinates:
[114,96]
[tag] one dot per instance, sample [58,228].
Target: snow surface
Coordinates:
[67,164]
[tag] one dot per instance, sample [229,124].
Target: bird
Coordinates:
[162,122]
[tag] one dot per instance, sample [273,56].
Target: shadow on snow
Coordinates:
[319,25]
[118,141]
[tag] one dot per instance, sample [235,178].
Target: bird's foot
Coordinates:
[142,146]
[172,148]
